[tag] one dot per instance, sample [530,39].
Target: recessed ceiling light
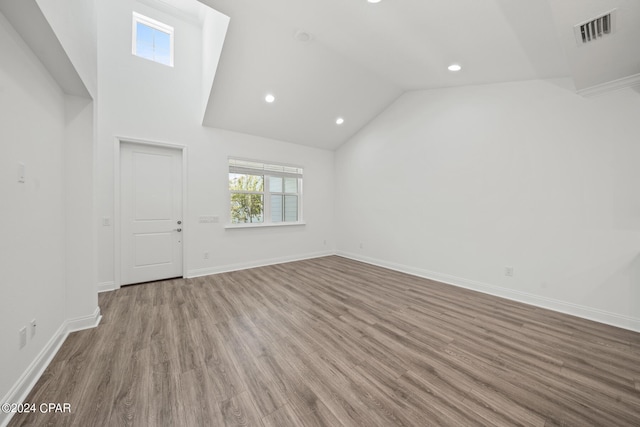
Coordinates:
[454,67]
[373,1]
[339,121]
[269,98]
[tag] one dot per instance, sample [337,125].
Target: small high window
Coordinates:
[152,40]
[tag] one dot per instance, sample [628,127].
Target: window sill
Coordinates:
[262,225]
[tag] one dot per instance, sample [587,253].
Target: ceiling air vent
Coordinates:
[596,28]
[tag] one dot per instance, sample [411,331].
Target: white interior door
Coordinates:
[151,213]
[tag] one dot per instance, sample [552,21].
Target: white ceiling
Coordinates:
[363,56]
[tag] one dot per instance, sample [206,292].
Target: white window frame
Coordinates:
[260,168]
[156,25]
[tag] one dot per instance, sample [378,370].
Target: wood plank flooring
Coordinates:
[334,342]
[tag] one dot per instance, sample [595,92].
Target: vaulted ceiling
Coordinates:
[324,59]
[360,56]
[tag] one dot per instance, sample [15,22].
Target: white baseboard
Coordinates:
[253,264]
[85,322]
[584,312]
[106,286]
[25,383]
[32,374]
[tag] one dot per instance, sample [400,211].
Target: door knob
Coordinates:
[179,222]
[177,229]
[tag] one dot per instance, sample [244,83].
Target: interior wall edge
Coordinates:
[85,322]
[106,286]
[589,313]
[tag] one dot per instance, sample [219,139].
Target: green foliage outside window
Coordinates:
[246,206]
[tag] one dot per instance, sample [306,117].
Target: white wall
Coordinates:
[46,251]
[143,100]
[32,247]
[456,184]
[214,32]
[74,22]
[80,230]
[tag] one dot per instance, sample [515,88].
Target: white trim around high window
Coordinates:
[159,47]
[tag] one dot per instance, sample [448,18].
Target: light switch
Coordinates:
[22,169]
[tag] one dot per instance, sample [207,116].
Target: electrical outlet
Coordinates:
[361,246]
[508,271]
[206,255]
[33,325]
[22,333]
[106,221]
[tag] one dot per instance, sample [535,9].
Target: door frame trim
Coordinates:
[117,226]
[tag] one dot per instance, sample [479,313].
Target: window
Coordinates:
[262,193]
[152,40]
